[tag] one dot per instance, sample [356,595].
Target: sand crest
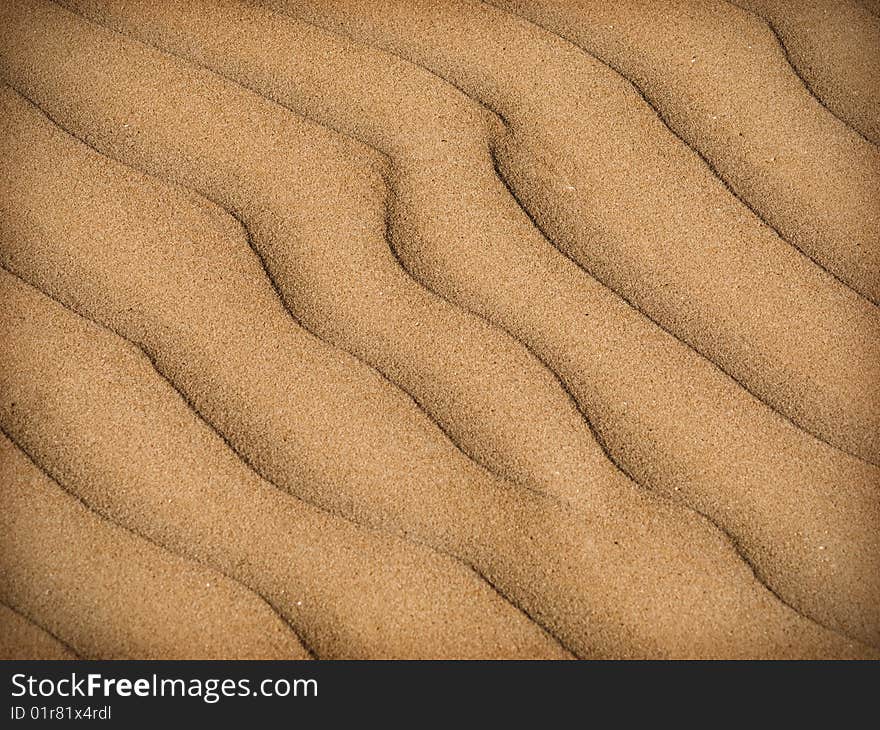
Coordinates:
[21,638]
[478,380]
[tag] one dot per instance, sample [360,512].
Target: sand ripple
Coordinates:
[462,331]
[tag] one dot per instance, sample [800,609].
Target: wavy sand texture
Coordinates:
[348,592]
[739,476]
[21,638]
[445,367]
[797,577]
[825,41]
[557,536]
[111,595]
[352,595]
[649,218]
[494,399]
[811,177]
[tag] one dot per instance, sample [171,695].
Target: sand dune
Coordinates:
[403,378]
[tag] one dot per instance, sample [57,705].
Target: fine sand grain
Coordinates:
[825,42]
[21,638]
[116,596]
[439,330]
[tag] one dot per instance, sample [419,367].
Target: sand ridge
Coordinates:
[65,562]
[764,626]
[642,227]
[765,137]
[822,41]
[21,638]
[229,378]
[542,523]
[309,566]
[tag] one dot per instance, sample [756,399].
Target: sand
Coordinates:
[21,638]
[462,331]
[114,595]
[825,42]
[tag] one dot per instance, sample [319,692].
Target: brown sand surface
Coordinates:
[21,638]
[112,594]
[707,258]
[403,378]
[765,137]
[825,41]
[143,460]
